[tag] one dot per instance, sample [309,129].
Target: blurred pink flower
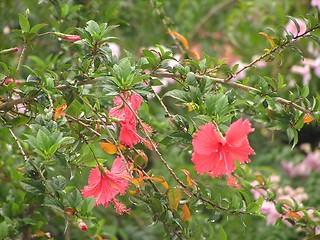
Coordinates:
[283,195]
[215,155]
[304,168]
[20,107]
[303,71]
[269,209]
[291,27]
[105,187]
[315,64]
[115,49]
[242,74]
[315,3]
[260,64]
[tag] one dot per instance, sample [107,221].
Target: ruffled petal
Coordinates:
[206,141]
[238,132]
[204,163]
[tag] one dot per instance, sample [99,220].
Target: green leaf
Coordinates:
[54,203]
[179,95]
[300,122]
[292,135]
[3,230]
[32,186]
[87,205]
[305,91]
[217,105]
[177,137]
[75,198]
[222,234]
[24,23]
[58,183]
[174,197]
[37,27]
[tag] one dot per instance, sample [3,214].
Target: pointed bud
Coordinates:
[82,226]
[68,37]
[9,50]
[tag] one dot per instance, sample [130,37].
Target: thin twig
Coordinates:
[83,124]
[236,85]
[165,163]
[216,9]
[166,25]
[11,103]
[25,43]
[164,107]
[273,50]
[19,145]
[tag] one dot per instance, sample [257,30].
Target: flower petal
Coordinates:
[238,132]
[206,141]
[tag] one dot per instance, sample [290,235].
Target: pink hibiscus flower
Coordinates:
[105,187]
[128,123]
[216,155]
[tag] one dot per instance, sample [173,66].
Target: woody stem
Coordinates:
[164,162]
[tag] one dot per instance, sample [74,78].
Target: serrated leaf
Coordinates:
[177,137]
[53,203]
[87,205]
[217,105]
[74,198]
[179,95]
[24,23]
[58,183]
[32,186]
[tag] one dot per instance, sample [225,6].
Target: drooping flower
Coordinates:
[105,187]
[216,155]
[127,119]
[122,111]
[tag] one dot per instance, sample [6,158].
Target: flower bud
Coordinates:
[68,37]
[9,50]
[83,226]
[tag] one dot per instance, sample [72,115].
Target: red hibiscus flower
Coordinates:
[105,187]
[128,122]
[216,155]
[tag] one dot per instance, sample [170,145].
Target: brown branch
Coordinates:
[9,104]
[273,50]
[26,158]
[164,162]
[25,43]
[236,85]
[82,124]
[166,25]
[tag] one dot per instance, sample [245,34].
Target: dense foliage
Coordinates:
[159,119]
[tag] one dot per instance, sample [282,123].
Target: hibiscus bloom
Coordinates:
[215,155]
[105,187]
[128,122]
